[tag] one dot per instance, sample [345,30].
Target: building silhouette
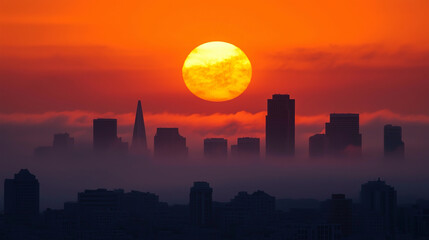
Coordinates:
[393,144]
[318,145]
[200,204]
[343,134]
[246,147]
[250,210]
[341,137]
[139,144]
[339,211]
[169,144]
[379,201]
[215,148]
[104,133]
[63,142]
[105,137]
[280,126]
[21,198]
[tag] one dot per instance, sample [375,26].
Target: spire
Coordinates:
[139,144]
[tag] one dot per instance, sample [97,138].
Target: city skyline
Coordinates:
[216,120]
[342,139]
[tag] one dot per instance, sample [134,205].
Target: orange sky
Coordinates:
[354,56]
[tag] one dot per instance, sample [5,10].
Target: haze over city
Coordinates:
[174,109]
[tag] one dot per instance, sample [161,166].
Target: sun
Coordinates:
[217,71]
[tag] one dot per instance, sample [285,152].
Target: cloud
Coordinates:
[360,56]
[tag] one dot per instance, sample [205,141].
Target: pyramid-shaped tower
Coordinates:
[139,144]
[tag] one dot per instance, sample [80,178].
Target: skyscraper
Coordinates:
[104,133]
[280,126]
[248,147]
[339,211]
[200,204]
[379,200]
[63,142]
[215,148]
[342,137]
[393,144]
[105,137]
[139,144]
[168,143]
[343,134]
[318,145]
[21,197]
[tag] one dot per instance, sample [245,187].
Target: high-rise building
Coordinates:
[339,211]
[105,137]
[139,144]
[343,134]
[341,137]
[169,144]
[104,133]
[248,147]
[63,142]
[250,210]
[379,200]
[318,144]
[215,148]
[100,213]
[393,144]
[200,204]
[234,150]
[21,197]
[280,126]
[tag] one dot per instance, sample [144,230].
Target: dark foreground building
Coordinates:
[200,204]
[21,198]
[280,126]
[379,205]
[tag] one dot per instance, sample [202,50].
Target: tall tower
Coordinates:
[280,126]
[200,203]
[21,197]
[379,200]
[393,144]
[139,144]
[343,134]
[104,133]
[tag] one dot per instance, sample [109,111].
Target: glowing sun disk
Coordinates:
[217,71]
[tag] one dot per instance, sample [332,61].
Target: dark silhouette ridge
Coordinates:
[280,126]
[139,144]
[116,214]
